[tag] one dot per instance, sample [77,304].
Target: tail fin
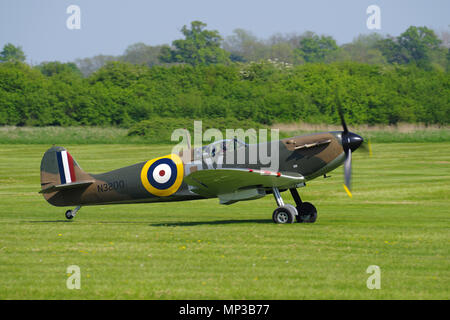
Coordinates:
[60,171]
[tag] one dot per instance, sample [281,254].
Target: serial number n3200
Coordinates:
[114,185]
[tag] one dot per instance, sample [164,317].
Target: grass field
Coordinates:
[398,220]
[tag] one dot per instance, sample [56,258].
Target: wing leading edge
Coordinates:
[232,185]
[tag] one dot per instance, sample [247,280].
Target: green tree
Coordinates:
[244,46]
[12,53]
[88,66]
[313,48]
[392,51]
[55,67]
[415,45]
[140,53]
[200,47]
[419,42]
[362,49]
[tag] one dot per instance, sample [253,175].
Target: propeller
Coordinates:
[350,142]
[366,146]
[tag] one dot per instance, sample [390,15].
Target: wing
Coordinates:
[219,182]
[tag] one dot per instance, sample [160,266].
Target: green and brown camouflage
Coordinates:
[229,169]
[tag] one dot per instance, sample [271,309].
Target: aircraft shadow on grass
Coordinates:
[215,222]
[47,221]
[166,224]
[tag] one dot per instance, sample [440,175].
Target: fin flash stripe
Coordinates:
[65,166]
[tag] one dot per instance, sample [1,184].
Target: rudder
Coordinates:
[58,167]
[60,172]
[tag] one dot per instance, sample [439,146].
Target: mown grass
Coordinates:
[397,219]
[402,132]
[66,135]
[112,135]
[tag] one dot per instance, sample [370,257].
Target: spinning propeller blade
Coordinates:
[366,146]
[348,173]
[350,142]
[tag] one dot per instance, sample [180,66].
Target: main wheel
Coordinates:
[306,213]
[284,214]
[69,214]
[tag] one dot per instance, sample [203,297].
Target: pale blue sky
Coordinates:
[109,26]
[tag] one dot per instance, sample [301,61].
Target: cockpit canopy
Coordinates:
[219,147]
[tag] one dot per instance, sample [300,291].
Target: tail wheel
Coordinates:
[283,215]
[306,213]
[69,214]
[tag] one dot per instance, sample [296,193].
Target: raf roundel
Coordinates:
[163,176]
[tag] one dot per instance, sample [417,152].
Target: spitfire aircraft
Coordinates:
[175,177]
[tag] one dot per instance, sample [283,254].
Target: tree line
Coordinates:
[379,80]
[420,46]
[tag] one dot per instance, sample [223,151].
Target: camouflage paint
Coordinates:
[307,157]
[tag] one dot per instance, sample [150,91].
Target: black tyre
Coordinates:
[69,214]
[283,215]
[306,213]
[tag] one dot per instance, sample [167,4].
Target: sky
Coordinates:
[110,26]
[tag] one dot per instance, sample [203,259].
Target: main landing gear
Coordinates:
[71,213]
[287,213]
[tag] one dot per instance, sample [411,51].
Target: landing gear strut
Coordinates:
[287,213]
[306,210]
[71,213]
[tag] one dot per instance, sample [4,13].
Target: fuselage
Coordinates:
[160,180]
